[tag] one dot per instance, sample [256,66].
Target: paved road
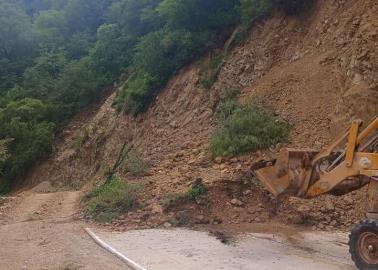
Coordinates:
[38,232]
[192,250]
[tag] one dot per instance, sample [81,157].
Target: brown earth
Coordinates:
[39,231]
[317,71]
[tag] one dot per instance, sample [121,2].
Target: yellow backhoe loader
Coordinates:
[349,163]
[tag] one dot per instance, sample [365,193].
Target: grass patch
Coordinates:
[106,202]
[246,128]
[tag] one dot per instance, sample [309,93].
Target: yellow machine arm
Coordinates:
[347,164]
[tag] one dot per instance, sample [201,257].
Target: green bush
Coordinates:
[136,94]
[247,128]
[197,190]
[194,193]
[108,201]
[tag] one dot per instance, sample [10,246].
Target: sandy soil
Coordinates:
[39,231]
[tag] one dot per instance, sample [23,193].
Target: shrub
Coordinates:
[194,193]
[136,93]
[196,190]
[108,201]
[247,128]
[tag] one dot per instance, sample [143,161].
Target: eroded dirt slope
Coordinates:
[318,71]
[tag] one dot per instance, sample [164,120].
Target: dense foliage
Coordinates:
[57,55]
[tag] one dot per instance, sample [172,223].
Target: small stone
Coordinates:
[201,219]
[329,205]
[233,160]
[218,160]
[247,192]
[348,200]
[217,221]
[191,162]
[173,124]
[237,202]
[167,225]
[303,209]
[156,209]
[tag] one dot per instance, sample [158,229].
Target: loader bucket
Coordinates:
[288,174]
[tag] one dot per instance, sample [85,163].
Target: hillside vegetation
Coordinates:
[57,56]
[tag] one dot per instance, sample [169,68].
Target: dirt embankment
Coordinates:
[318,71]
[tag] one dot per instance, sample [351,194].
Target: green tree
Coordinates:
[199,15]
[86,16]
[112,52]
[25,125]
[16,44]
[79,45]
[77,86]
[40,79]
[51,29]
[4,155]
[32,7]
[136,17]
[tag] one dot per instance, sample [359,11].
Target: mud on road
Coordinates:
[39,231]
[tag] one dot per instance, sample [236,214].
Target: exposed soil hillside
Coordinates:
[317,71]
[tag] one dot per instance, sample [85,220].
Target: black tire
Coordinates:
[363,245]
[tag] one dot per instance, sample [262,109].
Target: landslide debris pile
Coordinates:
[317,71]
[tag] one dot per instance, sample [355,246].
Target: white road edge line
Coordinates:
[112,250]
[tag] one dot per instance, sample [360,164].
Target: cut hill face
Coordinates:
[318,71]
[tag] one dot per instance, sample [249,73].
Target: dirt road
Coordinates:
[39,231]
